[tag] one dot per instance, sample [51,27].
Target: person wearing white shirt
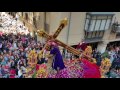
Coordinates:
[23,69]
[45,52]
[69,56]
[0,45]
[20,73]
[14,45]
[17,17]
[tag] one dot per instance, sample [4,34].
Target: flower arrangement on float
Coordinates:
[42,71]
[72,70]
[30,72]
[32,56]
[105,66]
[52,73]
[76,71]
[86,69]
[40,54]
[90,70]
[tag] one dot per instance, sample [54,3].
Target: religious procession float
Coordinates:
[56,67]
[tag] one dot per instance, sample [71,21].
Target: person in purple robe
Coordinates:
[57,63]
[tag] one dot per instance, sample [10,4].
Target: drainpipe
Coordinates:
[69,19]
[45,21]
[68,27]
[43,15]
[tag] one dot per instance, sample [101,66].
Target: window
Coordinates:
[107,24]
[92,24]
[95,34]
[97,23]
[102,25]
[86,25]
[89,35]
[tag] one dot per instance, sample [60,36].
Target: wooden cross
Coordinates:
[60,43]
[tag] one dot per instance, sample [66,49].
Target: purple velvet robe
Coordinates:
[58,60]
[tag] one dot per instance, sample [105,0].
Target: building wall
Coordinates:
[54,23]
[76,32]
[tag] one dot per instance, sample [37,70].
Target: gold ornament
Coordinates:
[88,52]
[40,54]
[105,66]
[42,73]
[32,58]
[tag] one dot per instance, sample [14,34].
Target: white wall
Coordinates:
[77,22]
[55,18]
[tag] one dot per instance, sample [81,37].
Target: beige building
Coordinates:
[96,28]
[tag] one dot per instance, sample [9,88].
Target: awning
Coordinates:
[93,40]
[101,13]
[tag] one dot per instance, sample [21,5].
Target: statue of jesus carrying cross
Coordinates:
[52,43]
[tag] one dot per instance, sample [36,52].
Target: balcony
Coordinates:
[101,13]
[116,27]
[96,24]
[93,40]
[116,30]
